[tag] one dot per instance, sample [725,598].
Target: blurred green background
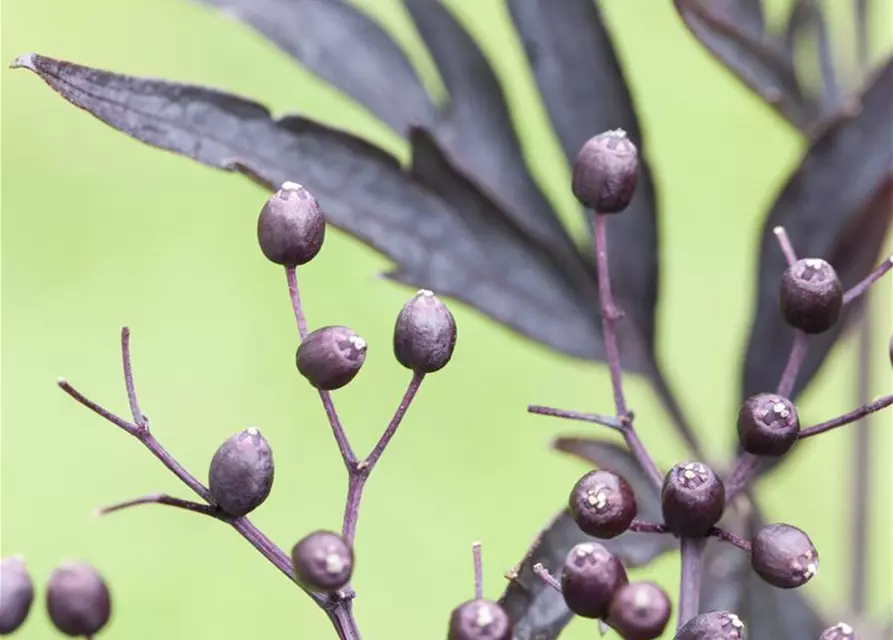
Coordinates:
[100,231]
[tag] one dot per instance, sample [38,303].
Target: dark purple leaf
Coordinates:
[537,610]
[474,253]
[807,22]
[837,206]
[476,128]
[347,49]
[734,35]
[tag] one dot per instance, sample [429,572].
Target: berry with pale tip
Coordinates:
[602,504]
[78,600]
[425,333]
[291,226]
[640,611]
[692,499]
[591,577]
[811,295]
[323,561]
[784,556]
[605,172]
[768,425]
[330,357]
[16,593]
[241,473]
[713,625]
[479,620]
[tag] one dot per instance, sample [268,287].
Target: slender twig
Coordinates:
[606,421]
[728,536]
[138,418]
[785,242]
[869,280]
[408,396]
[860,490]
[847,418]
[546,577]
[640,526]
[690,579]
[162,498]
[478,571]
[291,276]
[794,363]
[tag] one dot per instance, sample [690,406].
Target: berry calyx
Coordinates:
[331,357]
[784,556]
[840,631]
[714,625]
[640,611]
[241,473]
[291,226]
[692,499]
[78,600]
[479,620]
[323,561]
[425,333]
[768,425]
[591,577]
[602,504]
[16,593]
[811,295]
[605,172]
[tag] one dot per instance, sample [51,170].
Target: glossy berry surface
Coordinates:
[602,504]
[291,226]
[591,577]
[331,357]
[840,631]
[784,556]
[811,295]
[16,593]
[692,499]
[425,333]
[714,625]
[323,561]
[479,620]
[605,172]
[640,611]
[768,425]
[78,600]
[241,473]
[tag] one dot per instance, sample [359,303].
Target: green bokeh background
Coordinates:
[100,231]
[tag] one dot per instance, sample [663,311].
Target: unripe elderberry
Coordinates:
[241,473]
[840,631]
[640,611]
[16,593]
[692,499]
[783,556]
[291,226]
[602,504]
[323,561]
[714,625]
[591,577]
[811,295]
[78,600]
[605,172]
[331,357]
[425,334]
[768,425]
[479,620]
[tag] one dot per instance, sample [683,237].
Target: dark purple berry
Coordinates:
[16,593]
[783,556]
[479,620]
[605,172]
[331,357]
[78,600]
[291,226]
[241,474]
[591,577]
[323,561]
[840,631]
[715,625]
[425,334]
[767,425]
[602,504]
[692,498]
[640,611]
[811,295]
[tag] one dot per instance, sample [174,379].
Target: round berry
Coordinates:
[323,561]
[840,631]
[602,504]
[715,625]
[692,499]
[591,577]
[78,600]
[767,425]
[16,593]
[425,334]
[605,172]
[331,357]
[811,295]
[784,556]
[640,611]
[291,226]
[479,620]
[241,473]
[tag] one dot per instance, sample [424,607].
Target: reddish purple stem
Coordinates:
[847,418]
[872,277]
[478,571]
[690,579]
[546,577]
[607,421]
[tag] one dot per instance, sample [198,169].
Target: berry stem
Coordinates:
[138,418]
[162,498]
[690,579]
[291,275]
[847,418]
[785,242]
[731,538]
[794,363]
[478,571]
[872,277]
[546,577]
[606,421]
[408,396]
[640,526]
